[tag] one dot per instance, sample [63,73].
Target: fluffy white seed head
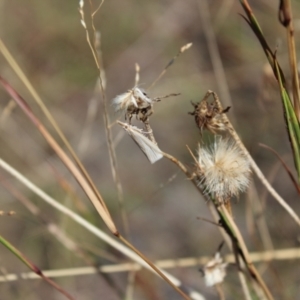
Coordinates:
[214,271]
[134,98]
[223,169]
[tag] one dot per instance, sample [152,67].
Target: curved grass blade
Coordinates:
[293,126]
[98,203]
[291,121]
[33,267]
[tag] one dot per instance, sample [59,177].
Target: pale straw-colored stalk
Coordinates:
[91,228]
[256,257]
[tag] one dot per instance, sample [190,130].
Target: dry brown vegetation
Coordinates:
[162,214]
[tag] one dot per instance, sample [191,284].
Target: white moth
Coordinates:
[150,149]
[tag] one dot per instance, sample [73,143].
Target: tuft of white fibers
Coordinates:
[223,169]
[134,98]
[150,149]
[214,271]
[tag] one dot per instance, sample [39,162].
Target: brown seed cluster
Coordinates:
[210,115]
[135,102]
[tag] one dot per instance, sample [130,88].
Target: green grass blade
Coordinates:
[290,117]
[32,266]
[17,253]
[291,121]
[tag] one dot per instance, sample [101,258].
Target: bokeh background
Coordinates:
[163,207]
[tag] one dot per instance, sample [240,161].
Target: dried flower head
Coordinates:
[223,169]
[214,271]
[134,102]
[210,115]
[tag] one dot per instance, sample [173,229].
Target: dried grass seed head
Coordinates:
[134,98]
[214,271]
[134,102]
[209,115]
[223,169]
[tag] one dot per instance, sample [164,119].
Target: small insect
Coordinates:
[210,115]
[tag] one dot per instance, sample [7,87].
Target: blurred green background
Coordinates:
[48,41]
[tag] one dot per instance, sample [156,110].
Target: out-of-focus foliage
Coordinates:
[48,41]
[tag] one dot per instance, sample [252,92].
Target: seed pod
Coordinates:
[134,102]
[210,115]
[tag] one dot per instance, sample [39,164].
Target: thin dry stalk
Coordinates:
[99,205]
[180,165]
[91,115]
[285,166]
[52,228]
[157,270]
[111,150]
[149,131]
[137,74]
[220,291]
[94,198]
[252,270]
[264,180]
[244,285]
[271,177]
[223,12]
[14,65]
[265,256]
[91,228]
[8,109]
[56,286]
[170,63]
[259,215]
[231,258]
[214,52]
[130,285]
[33,267]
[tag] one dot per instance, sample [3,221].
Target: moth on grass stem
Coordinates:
[150,149]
